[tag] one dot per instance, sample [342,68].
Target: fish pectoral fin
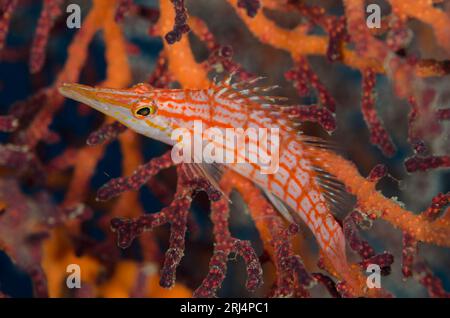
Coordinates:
[279,205]
[212,172]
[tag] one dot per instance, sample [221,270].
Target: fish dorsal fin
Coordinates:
[246,91]
[253,97]
[318,142]
[257,98]
[141,88]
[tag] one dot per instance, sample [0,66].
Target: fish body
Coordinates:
[156,113]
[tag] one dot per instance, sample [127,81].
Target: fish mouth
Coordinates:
[111,102]
[72,89]
[104,100]
[83,94]
[114,103]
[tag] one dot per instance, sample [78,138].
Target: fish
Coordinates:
[298,189]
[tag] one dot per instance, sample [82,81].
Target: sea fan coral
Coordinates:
[79,188]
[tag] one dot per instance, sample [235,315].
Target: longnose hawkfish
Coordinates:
[298,190]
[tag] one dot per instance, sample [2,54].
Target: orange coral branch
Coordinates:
[370,201]
[296,42]
[77,51]
[181,60]
[128,205]
[118,75]
[424,11]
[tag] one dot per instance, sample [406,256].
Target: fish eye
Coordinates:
[145,110]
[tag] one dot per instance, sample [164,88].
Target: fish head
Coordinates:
[136,107]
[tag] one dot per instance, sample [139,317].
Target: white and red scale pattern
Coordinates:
[295,181]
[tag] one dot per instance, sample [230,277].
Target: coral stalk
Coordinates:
[370,201]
